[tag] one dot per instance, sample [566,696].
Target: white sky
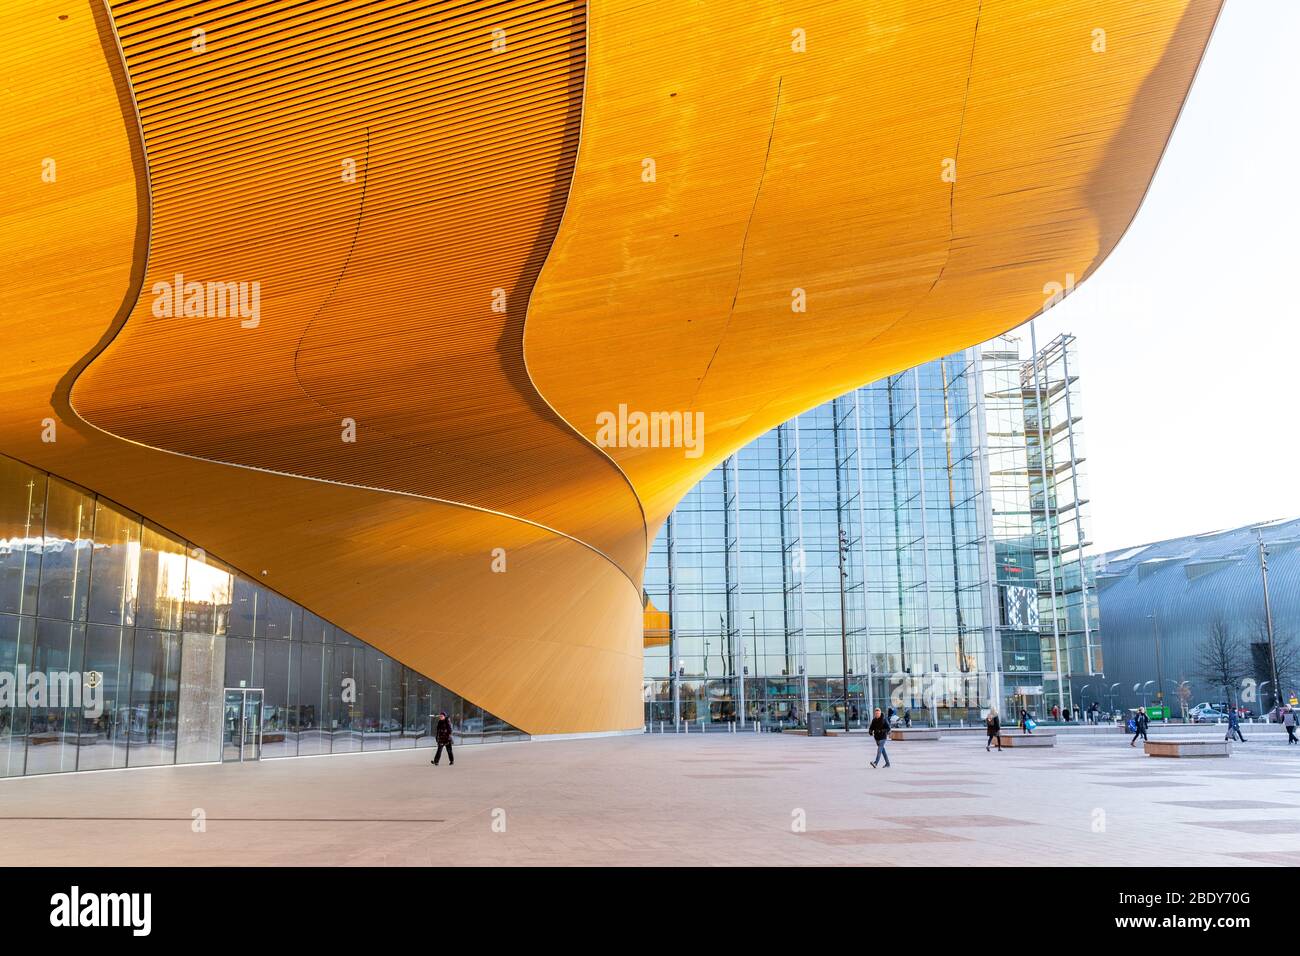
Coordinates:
[1187,334]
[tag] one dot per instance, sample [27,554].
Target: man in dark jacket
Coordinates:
[879,729]
[1140,723]
[442,734]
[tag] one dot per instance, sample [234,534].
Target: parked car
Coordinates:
[1206,713]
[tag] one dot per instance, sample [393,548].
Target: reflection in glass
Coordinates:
[55,697]
[17,636]
[22,520]
[346,693]
[208,590]
[155,685]
[115,565]
[162,580]
[108,657]
[158,694]
[65,552]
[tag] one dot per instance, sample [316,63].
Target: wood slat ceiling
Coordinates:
[823,171]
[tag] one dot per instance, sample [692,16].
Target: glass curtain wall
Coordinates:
[1046,588]
[117,640]
[847,547]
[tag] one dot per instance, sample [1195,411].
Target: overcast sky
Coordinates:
[1187,335]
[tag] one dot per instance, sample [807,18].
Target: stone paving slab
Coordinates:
[697,800]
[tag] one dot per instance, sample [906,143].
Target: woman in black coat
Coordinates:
[442,735]
[994,727]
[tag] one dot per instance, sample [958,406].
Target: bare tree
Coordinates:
[1221,658]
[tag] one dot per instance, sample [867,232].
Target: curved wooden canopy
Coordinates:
[411,394]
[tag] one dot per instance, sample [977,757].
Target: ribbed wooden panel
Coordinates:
[376,294]
[552,645]
[822,171]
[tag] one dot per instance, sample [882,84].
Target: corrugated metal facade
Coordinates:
[1173,593]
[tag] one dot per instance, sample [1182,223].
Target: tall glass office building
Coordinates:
[895,540]
[122,645]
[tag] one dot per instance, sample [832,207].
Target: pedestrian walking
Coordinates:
[1234,726]
[994,727]
[442,735]
[1289,722]
[879,729]
[1025,722]
[1140,722]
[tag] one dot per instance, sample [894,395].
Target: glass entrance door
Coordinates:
[241,729]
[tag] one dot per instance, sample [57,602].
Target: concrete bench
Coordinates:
[1018,738]
[1188,747]
[914,733]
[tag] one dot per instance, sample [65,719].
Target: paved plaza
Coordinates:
[745,799]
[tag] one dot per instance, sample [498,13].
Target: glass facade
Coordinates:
[1040,519]
[119,643]
[848,545]
[886,540]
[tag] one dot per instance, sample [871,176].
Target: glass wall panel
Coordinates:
[419,691]
[374,725]
[17,637]
[22,525]
[130,635]
[162,580]
[313,711]
[115,565]
[55,698]
[280,658]
[208,592]
[65,555]
[394,692]
[155,686]
[108,658]
[346,693]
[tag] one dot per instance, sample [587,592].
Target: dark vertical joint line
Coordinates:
[744,241]
[338,280]
[952,188]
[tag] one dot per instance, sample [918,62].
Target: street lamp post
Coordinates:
[1143,690]
[844,626]
[1111,695]
[1155,637]
[1268,615]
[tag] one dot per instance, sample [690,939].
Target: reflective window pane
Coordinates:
[209,587]
[162,580]
[17,637]
[22,523]
[115,565]
[108,657]
[155,685]
[65,553]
